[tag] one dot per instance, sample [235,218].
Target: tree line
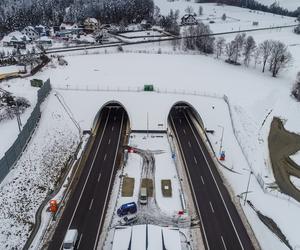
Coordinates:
[19,14]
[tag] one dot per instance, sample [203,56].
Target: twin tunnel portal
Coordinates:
[89,193]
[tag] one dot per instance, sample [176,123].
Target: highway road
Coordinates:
[221,224]
[86,207]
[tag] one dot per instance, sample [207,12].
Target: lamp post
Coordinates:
[221,139]
[247,190]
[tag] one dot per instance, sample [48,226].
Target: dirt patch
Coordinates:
[127,187]
[148,183]
[282,144]
[166,188]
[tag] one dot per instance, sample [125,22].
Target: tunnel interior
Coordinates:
[112,108]
[184,109]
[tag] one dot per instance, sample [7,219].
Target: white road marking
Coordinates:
[110,179]
[180,121]
[184,131]
[99,177]
[189,176]
[223,243]
[190,145]
[209,168]
[115,118]
[79,241]
[112,128]
[202,180]
[195,160]
[105,157]
[91,204]
[211,206]
[88,176]
[108,141]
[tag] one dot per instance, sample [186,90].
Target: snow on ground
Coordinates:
[296,158]
[9,128]
[288,4]
[180,78]
[35,174]
[164,168]
[10,69]
[237,18]
[295,181]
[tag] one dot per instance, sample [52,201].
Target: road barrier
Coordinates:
[15,151]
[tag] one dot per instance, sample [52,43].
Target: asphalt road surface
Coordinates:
[86,207]
[221,224]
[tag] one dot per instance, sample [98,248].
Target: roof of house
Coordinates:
[139,236]
[15,36]
[91,20]
[187,16]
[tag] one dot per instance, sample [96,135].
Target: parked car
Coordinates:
[143,196]
[128,219]
[127,208]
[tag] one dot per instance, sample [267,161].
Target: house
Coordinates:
[16,39]
[67,30]
[188,19]
[44,40]
[90,24]
[42,30]
[30,32]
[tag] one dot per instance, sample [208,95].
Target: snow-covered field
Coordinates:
[121,76]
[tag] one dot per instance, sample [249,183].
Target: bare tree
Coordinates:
[220,43]
[256,56]
[280,57]
[189,10]
[239,42]
[265,48]
[249,47]
[296,88]
[230,50]
[200,11]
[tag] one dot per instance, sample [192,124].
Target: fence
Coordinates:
[15,151]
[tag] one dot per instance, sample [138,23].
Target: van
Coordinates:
[70,239]
[127,208]
[143,196]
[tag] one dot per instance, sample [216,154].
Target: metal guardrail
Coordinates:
[15,151]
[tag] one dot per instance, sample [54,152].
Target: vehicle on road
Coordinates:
[143,196]
[70,239]
[127,208]
[128,219]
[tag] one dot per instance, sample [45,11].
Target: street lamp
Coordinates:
[250,173]
[221,139]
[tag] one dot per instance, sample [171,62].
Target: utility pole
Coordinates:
[147,124]
[247,190]
[221,139]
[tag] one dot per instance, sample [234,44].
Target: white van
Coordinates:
[143,196]
[70,239]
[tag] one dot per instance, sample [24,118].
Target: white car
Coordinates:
[128,219]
